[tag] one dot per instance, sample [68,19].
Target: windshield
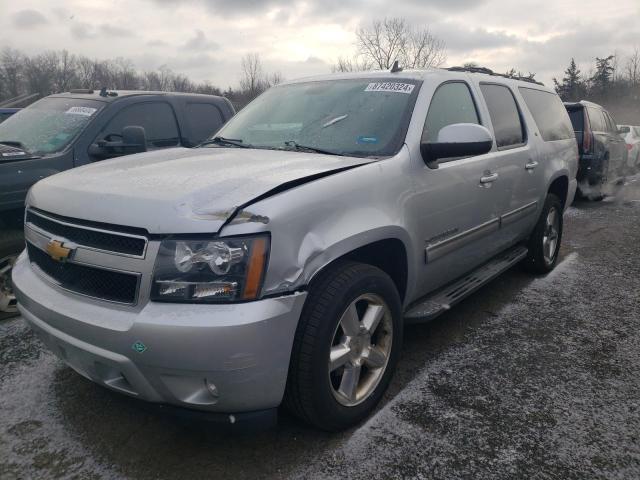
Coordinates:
[348,117]
[48,125]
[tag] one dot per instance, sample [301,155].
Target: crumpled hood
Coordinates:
[176,190]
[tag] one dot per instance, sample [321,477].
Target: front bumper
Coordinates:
[220,358]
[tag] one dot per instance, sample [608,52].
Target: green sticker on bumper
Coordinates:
[139,347]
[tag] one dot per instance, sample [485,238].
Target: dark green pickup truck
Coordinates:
[80,127]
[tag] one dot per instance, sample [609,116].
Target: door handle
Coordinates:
[489,178]
[531,164]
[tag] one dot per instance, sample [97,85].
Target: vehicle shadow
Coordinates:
[142,442]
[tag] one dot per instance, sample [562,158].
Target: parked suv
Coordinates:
[77,128]
[281,260]
[603,154]
[631,135]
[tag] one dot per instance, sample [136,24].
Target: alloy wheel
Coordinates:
[360,349]
[551,236]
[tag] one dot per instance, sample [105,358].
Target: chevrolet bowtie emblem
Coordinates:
[57,251]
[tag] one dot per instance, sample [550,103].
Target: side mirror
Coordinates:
[133,140]
[457,140]
[624,129]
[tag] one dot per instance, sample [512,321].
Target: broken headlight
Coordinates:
[210,271]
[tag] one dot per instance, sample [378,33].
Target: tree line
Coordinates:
[61,71]
[612,81]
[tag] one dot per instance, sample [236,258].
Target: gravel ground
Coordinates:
[528,378]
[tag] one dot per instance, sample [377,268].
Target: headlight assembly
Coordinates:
[210,271]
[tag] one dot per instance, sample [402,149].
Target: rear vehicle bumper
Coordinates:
[219,358]
[590,169]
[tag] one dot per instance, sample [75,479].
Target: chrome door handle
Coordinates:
[489,178]
[531,165]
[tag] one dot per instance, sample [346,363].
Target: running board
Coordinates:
[443,299]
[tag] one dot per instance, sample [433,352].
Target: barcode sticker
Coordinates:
[86,111]
[395,87]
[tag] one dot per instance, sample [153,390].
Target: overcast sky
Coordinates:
[205,39]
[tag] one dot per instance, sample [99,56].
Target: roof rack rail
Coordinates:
[488,71]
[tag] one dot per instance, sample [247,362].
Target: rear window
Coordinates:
[504,114]
[203,120]
[577,119]
[549,114]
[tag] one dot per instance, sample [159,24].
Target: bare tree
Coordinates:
[423,49]
[125,75]
[273,79]
[345,64]
[40,72]
[11,71]
[65,77]
[391,39]
[632,69]
[252,79]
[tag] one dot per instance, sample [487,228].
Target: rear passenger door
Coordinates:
[514,157]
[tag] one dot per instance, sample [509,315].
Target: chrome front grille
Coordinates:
[87,280]
[102,264]
[96,238]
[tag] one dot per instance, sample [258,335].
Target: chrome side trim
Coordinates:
[84,227]
[519,213]
[442,248]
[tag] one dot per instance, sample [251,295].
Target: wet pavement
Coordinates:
[528,378]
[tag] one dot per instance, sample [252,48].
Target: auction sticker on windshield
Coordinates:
[395,87]
[86,111]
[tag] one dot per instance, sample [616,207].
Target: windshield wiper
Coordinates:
[297,146]
[225,141]
[13,143]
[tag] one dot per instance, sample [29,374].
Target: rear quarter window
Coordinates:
[549,114]
[596,120]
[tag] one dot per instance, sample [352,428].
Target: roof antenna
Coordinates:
[396,67]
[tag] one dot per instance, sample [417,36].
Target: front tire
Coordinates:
[346,346]
[544,242]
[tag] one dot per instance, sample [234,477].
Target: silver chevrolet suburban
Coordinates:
[278,262]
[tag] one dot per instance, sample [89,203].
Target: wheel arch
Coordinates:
[559,186]
[390,252]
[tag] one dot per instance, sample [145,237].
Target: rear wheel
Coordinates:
[11,244]
[346,346]
[544,243]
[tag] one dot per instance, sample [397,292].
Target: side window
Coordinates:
[550,115]
[596,120]
[158,121]
[451,103]
[612,127]
[504,114]
[203,120]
